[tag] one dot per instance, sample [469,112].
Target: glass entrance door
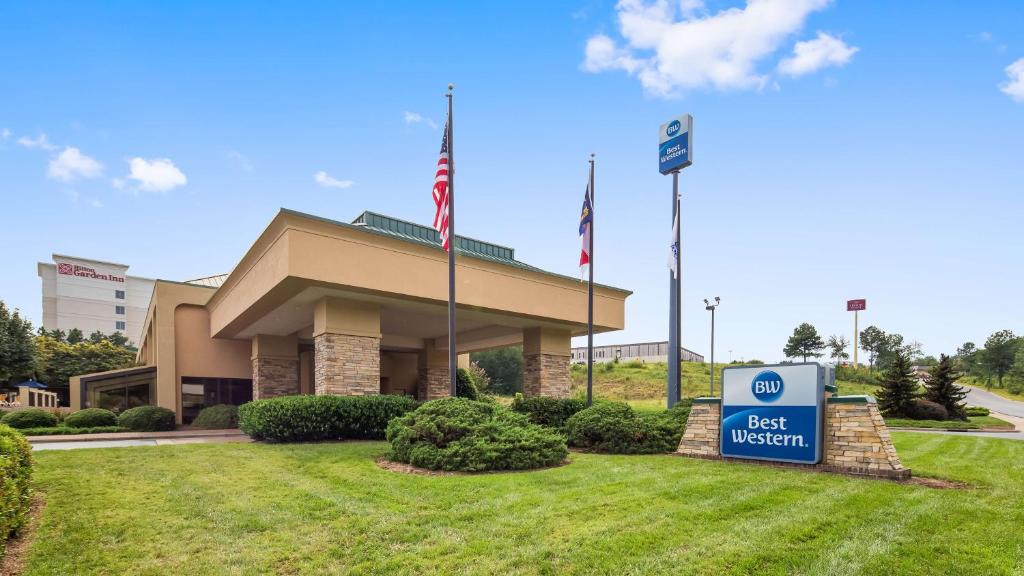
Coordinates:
[198,393]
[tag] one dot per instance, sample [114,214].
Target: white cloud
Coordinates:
[677,46]
[5,133]
[156,175]
[71,164]
[1014,85]
[417,118]
[117,183]
[240,160]
[325,180]
[813,55]
[96,203]
[38,142]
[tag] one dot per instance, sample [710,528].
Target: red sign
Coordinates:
[852,305]
[85,272]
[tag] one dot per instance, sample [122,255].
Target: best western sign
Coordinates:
[675,144]
[773,412]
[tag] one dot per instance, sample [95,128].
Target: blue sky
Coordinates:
[842,149]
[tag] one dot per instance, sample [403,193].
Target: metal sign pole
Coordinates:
[675,284]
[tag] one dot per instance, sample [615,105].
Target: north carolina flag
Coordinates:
[586,218]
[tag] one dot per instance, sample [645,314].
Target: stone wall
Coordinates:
[856,439]
[274,376]
[546,375]
[346,365]
[434,383]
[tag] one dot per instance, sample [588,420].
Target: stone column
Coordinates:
[275,366]
[546,362]
[346,341]
[433,365]
[703,428]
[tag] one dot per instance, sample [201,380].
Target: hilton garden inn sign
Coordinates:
[773,412]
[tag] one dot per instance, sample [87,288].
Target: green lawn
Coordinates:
[328,509]
[973,422]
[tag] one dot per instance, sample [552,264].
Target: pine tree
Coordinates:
[941,388]
[804,342]
[897,387]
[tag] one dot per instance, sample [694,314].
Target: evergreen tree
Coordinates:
[897,387]
[999,353]
[804,342]
[17,346]
[75,336]
[941,388]
[838,345]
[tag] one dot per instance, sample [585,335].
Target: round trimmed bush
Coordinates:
[147,419]
[921,409]
[550,412]
[614,427]
[15,482]
[217,417]
[464,385]
[464,435]
[30,418]
[91,418]
[308,418]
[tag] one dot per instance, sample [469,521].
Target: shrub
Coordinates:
[217,417]
[29,418]
[616,428]
[464,385]
[464,435]
[977,411]
[550,412]
[309,418]
[15,477]
[147,419]
[91,418]
[64,430]
[921,409]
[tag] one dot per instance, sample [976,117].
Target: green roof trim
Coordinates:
[707,400]
[831,388]
[855,399]
[375,223]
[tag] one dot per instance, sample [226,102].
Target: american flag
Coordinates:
[441,191]
[586,217]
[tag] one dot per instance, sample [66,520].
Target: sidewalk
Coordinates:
[119,439]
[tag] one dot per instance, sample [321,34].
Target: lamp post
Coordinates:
[711,307]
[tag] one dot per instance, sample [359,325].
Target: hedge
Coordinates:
[614,427]
[217,417]
[147,419]
[29,418]
[550,412]
[977,411]
[64,430]
[309,418]
[921,409]
[91,418]
[464,435]
[15,479]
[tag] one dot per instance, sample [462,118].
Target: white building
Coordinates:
[93,295]
[642,351]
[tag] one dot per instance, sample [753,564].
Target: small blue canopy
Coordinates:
[31,383]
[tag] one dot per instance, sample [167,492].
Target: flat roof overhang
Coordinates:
[300,258]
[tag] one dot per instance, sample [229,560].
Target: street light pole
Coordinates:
[711,307]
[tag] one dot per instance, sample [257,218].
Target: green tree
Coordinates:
[941,387]
[75,336]
[804,342]
[967,358]
[17,346]
[1017,372]
[890,346]
[504,367]
[58,361]
[838,345]
[999,354]
[871,341]
[897,386]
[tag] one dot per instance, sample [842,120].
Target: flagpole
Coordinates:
[590,294]
[452,243]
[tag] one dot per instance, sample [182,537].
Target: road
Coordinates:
[994,402]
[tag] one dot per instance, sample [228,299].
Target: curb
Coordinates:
[105,437]
[993,430]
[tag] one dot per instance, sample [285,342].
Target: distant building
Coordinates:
[643,351]
[93,295]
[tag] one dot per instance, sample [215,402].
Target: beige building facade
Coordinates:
[317,306]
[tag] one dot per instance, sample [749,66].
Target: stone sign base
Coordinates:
[856,438]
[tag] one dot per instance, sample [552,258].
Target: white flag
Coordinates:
[673,252]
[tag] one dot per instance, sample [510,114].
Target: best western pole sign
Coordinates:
[675,144]
[773,412]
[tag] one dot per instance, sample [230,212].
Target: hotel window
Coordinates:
[119,294]
[119,325]
[119,310]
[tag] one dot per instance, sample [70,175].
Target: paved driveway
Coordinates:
[994,402]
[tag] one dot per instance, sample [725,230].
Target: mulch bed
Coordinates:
[16,553]
[402,467]
[939,483]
